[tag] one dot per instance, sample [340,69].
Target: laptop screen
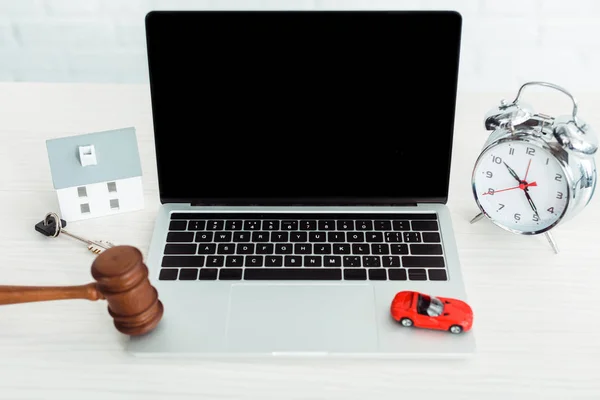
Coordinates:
[352,107]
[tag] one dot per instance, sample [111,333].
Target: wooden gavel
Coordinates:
[121,278]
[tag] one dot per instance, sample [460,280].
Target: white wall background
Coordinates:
[505,42]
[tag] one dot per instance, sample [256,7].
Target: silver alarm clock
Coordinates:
[535,171]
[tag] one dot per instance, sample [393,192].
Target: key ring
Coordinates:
[57,223]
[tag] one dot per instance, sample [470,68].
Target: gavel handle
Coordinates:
[28,294]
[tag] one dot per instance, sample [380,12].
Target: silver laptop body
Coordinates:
[292,275]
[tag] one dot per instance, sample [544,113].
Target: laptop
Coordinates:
[303,163]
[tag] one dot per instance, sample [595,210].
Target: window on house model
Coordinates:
[114,204]
[81,191]
[85,208]
[112,187]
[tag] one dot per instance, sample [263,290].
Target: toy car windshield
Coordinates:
[429,305]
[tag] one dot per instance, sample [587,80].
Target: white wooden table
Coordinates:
[536,313]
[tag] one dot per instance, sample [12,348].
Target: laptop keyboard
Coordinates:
[322,247]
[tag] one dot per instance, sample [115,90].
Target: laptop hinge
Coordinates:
[286,204]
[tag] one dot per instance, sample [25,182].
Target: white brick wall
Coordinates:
[505,42]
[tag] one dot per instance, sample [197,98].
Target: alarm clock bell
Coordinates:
[535,171]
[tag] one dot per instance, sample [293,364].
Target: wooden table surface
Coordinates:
[536,313]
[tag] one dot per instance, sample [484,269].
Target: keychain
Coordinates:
[49,227]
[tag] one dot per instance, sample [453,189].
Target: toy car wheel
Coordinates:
[406,322]
[455,329]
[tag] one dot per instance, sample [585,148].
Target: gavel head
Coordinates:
[122,279]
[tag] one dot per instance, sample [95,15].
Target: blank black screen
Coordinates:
[303,107]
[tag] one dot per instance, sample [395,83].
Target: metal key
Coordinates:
[50,227]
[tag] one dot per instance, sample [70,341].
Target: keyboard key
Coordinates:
[352,261]
[308,225]
[391,261]
[289,225]
[423,261]
[209,248]
[180,248]
[204,237]
[273,261]
[268,248]
[292,261]
[168,274]
[383,225]
[315,237]
[261,236]
[243,248]
[412,237]
[177,225]
[223,236]
[298,236]
[303,248]
[196,225]
[345,225]
[380,249]
[332,261]
[397,274]
[426,249]
[252,225]
[279,237]
[401,225]
[326,225]
[341,248]
[377,274]
[294,274]
[393,237]
[371,261]
[188,274]
[234,261]
[254,261]
[241,237]
[213,225]
[233,225]
[424,225]
[283,249]
[322,248]
[355,274]
[180,237]
[360,249]
[230,274]
[374,237]
[215,261]
[355,237]
[336,237]
[415,274]
[182,261]
[437,275]
[270,225]
[208,274]
[431,237]
[401,248]
[313,261]
[228,248]
[364,225]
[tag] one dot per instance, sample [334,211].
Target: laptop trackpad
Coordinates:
[301,317]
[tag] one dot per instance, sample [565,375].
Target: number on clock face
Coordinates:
[520,186]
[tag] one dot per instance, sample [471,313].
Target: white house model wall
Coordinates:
[99,199]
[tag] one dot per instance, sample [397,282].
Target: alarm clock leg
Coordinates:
[551,241]
[476,218]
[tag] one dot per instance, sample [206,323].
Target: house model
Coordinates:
[96,174]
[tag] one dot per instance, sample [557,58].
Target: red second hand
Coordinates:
[521,186]
[527,171]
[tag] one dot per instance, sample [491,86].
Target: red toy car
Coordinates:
[425,311]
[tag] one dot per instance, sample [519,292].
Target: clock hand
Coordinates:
[531,202]
[513,173]
[527,172]
[521,186]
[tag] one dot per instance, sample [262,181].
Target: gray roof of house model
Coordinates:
[117,157]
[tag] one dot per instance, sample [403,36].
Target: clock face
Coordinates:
[521,186]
